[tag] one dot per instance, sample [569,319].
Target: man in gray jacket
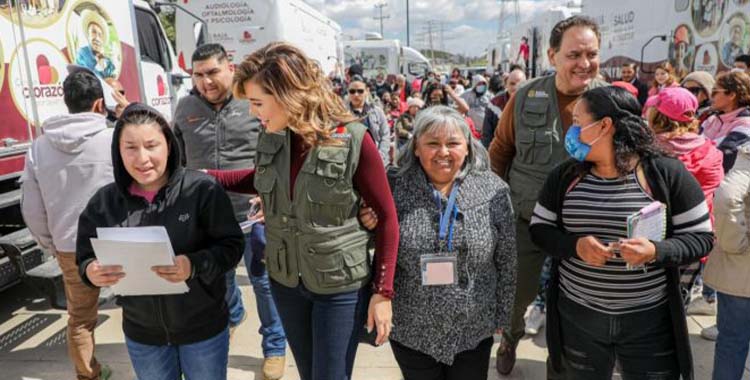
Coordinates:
[64,167]
[216,131]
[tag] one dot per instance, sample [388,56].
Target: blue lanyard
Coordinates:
[447,218]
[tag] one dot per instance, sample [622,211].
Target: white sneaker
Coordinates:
[710,333]
[699,306]
[535,320]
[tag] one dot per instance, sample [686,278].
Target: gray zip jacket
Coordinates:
[64,168]
[225,139]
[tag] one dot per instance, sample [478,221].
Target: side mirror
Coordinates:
[177,79]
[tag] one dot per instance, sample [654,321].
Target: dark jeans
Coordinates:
[322,330]
[642,342]
[731,352]
[470,364]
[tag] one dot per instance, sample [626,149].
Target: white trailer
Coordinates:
[243,26]
[121,41]
[385,56]
[692,35]
[504,51]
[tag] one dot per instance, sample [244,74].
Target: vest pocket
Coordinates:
[357,265]
[276,258]
[340,264]
[328,269]
[265,181]
[534,137]
[331,162]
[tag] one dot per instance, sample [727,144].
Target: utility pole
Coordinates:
[381,17]
[408,42]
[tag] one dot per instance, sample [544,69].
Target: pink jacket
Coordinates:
[717,127]
[702,160]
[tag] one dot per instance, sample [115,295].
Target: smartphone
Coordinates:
[254,208]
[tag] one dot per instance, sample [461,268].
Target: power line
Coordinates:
[381,17]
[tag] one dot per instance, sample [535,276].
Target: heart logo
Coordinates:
[161,88]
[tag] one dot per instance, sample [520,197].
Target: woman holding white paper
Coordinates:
[601,309]
[170,335]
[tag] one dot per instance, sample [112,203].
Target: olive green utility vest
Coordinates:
[540,141]
[316,236]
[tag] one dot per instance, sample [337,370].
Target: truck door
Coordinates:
[156,63]
[30,87]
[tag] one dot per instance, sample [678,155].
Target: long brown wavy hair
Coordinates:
[300,86]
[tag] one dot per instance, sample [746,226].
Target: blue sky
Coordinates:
[469,26]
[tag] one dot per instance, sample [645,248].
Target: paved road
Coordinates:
[32,345]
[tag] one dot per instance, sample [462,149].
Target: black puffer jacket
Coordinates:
[200,222]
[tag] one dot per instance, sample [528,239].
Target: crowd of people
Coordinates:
[433,214]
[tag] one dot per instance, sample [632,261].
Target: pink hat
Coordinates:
[627,86]
[675,103]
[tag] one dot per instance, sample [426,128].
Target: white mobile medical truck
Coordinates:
[243,26]
[377,55]
[504,51]
[692,35]
[122,41]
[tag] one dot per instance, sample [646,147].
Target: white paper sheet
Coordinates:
[149,234]
[137,249]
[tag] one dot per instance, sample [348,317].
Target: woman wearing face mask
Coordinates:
[601,309]
[664,76]
[315,165]
[477,98]
[180,334]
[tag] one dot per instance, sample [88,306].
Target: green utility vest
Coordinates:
[315,237]
[540,141]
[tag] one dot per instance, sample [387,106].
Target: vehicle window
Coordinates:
[417,68]
[151,40]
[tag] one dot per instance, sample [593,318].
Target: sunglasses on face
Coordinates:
[694,90]
[353,91]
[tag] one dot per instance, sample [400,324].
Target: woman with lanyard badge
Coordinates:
[455,273]
[314,165]
[602,306]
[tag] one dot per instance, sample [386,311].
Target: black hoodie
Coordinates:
[200,222]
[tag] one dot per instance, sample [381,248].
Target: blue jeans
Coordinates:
[709,294]
[274,339]
[234,299]
[204,360]
[323,330]
[541,298]
[732,319]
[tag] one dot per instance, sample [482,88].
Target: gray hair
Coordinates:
[442,118]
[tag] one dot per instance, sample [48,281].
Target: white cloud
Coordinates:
[469,26]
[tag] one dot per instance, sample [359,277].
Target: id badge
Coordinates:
[438,270]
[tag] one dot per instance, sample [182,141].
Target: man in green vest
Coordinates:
[528,143]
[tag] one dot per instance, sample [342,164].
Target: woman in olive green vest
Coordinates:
[314,167]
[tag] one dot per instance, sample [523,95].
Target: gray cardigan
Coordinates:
[442,321]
